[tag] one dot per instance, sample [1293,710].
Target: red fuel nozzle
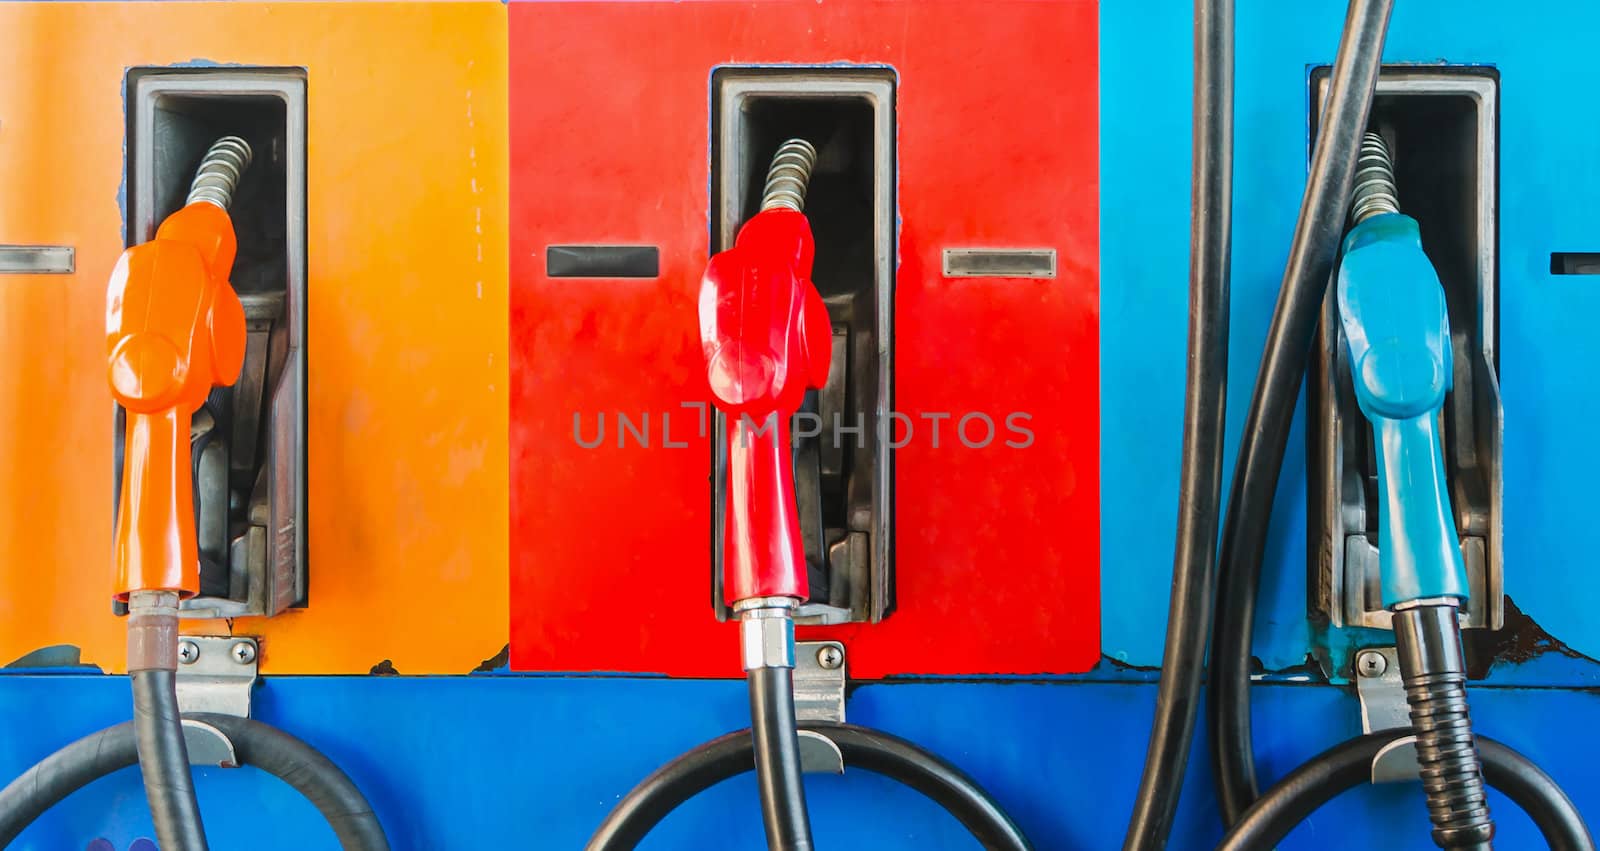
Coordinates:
[767,339]
[174,328]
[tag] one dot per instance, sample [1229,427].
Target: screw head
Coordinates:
[1371,663]
[243,652]
[188,652]
[829,656]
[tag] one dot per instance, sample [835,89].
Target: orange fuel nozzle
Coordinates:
[174,328]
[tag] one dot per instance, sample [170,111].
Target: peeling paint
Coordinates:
[1312,670]
[498,662]
[1123,665]
[54,656]
[1520,641]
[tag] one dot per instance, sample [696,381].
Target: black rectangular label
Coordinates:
[602,261]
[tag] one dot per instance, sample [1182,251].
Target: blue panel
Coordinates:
[1549,177]
[535,762]
[1144,261]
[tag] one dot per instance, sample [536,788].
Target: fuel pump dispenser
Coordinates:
[901,221]
[1395,320]
[1394,315]
[767,340]
[176,328]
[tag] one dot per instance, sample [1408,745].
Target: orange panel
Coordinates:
[406,308]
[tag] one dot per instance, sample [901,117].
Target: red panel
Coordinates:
[997,549]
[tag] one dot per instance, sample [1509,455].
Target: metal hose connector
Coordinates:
[1433,670]
[789,175]
[219,172]
[1374,192]
[766,631]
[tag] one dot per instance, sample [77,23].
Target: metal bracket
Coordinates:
[208,746]
[819,679]
[216,674]
[1383,707]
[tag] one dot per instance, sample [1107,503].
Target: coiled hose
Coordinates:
[1349,764]
[283,756]
[863,748]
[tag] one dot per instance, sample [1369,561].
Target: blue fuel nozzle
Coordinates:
[1395,320]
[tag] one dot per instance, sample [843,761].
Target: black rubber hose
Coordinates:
[1200,481]
[1434,673]
[1277,388]
[777,759]
[273,751]
[1349,765]
[164,761]
[863,748]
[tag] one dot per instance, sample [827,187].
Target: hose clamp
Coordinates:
[153,631]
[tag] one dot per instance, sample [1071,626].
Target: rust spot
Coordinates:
[495,662]
[1129,666]
[1521,640]
[384,669]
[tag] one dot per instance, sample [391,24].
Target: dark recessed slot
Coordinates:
[842,473]
[1434,140]
[185,126]
[839,206]
[1574,263]
[1441,127]
[247,441]
[839,200]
